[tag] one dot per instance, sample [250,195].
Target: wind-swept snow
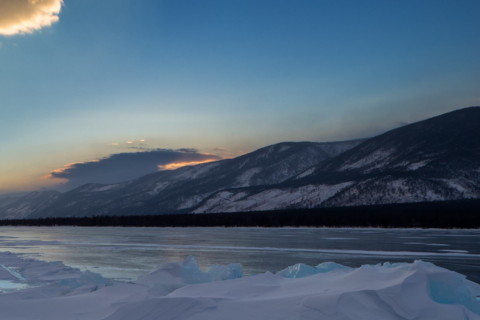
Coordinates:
[330,291]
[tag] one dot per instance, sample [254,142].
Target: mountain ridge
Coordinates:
[178,190]
[431,160]
[441,162]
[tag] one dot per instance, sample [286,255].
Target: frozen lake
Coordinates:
[126,253]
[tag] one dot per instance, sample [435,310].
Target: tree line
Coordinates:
[444,214]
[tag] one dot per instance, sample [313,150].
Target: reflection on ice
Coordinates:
[454,251]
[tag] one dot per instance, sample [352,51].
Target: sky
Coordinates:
[100,91]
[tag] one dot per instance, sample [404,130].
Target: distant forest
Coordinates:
[444,214]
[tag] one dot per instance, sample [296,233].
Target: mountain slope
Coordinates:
[183,189]
[431,160]
[17,206]
[445,140]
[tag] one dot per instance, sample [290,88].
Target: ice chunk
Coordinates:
[50,278]
[7,286]
[170,276]
[14,273]
[453,288]
[301,270]
[182,290]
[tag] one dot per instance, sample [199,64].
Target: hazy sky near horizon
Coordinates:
[84,84]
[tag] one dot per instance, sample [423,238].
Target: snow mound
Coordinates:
[417,290]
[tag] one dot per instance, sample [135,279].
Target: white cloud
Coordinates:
[27,16]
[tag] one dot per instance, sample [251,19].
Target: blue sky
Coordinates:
[223,77]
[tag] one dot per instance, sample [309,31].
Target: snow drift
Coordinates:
[419,290]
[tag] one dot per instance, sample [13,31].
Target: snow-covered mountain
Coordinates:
[21,205]
[431,160]
[434,159]
[183,189]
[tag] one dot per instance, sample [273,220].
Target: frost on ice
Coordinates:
[418,290]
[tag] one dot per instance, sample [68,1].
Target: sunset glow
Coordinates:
[27,16]
[173,166]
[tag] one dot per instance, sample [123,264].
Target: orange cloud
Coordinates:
[176,165]
[27,16]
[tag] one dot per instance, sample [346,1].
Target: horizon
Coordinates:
[92,87]
[62,188]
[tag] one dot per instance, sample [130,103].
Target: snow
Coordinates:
[462,187]
[418,290]
[184,173]
[19,212]
[195,171]
[306,173]
[105,188]
[243,179]
[284,148]
[189,202]
[159,187]
[412,166]
[270,199]
[417,165]
[171,276]
[301,270]
[398,190]
[376,159]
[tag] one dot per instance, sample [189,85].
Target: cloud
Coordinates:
[27,16]
[176,165]
[126,166]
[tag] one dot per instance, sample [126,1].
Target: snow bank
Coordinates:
[330,291]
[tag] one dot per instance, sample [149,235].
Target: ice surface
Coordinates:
[418,290]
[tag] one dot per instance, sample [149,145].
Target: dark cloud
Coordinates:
[126,166]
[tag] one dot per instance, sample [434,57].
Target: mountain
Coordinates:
[22,205]
[183,189]
[432,160]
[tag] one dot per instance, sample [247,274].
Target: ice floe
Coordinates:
[182,290]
